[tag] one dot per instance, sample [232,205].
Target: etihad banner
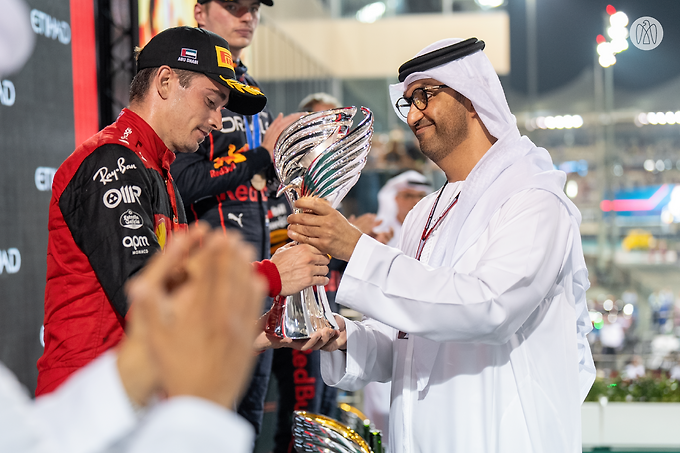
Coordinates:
[48,103]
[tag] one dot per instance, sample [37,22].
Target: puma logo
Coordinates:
[239,219]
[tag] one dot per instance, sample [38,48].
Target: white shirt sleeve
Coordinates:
[528,240]
[368,357]
[87,413]
[189,424]
[19,432]
[90,411]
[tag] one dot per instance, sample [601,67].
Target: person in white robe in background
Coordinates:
[190,335]
[486,347]
[396,199]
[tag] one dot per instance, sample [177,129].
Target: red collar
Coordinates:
[142,139]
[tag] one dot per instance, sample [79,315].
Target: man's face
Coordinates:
[442,125]
[235,21]
[192,112]
[406,199]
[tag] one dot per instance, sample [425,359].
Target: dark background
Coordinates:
[566,31]
[37,131]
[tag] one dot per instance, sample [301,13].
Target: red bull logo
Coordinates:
[243,193]
[305,385]
[233,156]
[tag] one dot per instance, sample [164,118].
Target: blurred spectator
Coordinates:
[675,369]
[635,369]
[318,102]
[396,198]
[662,303]
[612,334]
[395,151]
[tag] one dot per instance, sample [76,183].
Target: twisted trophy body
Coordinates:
[317,156]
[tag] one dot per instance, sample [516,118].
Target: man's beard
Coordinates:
[447,136]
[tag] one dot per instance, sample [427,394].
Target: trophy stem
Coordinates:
[299,315]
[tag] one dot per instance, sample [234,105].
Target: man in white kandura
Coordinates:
[482,310]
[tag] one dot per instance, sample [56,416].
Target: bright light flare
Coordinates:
[596,318]
[620,45]
[671,118]
[618,19]
[371,12]
[607,60]
[485,4]
[617,33]
[605,48]
[572,189]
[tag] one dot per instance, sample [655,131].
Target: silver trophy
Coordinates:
[317,156]
[313,433]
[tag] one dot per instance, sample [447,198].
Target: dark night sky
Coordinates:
[567,30]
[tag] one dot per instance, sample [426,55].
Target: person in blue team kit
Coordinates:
[224,182]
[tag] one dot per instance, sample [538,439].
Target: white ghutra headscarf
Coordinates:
[472,76]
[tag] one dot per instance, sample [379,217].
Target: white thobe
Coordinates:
[92,413]
[496,359]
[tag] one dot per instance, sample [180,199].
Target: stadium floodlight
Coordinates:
[618,33]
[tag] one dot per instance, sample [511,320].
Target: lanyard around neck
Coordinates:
[252,136]
[427,231]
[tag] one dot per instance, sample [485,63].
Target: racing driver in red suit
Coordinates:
[114,203]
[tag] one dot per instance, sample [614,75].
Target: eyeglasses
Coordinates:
[419,98]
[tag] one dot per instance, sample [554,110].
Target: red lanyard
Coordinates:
[427,231]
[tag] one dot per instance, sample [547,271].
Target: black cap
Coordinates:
[198,50]
[264,2]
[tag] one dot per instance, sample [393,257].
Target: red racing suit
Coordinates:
[113,206]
